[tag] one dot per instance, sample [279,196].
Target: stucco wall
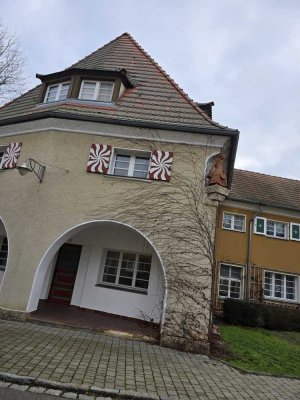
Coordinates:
[267,252]
[37,214]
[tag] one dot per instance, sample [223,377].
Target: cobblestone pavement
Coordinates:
[68,355]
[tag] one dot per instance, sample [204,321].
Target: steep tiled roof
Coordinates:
[264,189]
[155,97]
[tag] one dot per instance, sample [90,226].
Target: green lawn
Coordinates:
[262,350]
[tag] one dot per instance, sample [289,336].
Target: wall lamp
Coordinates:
[31,165]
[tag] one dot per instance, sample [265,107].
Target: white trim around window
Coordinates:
[130,163]
[294,231]
[281,286]
[93,90]
[234,222]
[126,270]
[271,228]
[231,281]
[57,92]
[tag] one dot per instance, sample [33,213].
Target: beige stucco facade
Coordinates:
[36,215]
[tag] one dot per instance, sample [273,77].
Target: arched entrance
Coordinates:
[106,266]
[3,250]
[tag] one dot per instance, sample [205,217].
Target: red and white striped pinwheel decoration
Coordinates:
[11,155]
[99,158]
[160,165]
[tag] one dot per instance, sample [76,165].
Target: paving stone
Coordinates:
[79,360]
[53,392]
[69,395]
[4,384]
[85,397]
[23,388]
[37,389]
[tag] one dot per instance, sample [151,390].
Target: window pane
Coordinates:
[52,93]
[105,91]
[127,269]
[223,287]
[270,228]
[141,166]
[111,266]
[268,284]
[227,220]
[4,252]
[280,229]
[279,284]
[64,91]
[236,273]
[88,90]
[224,271]
[239,222]
[122,164]
[235,288]
[290,287]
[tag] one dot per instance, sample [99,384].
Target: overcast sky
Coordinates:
[243,55]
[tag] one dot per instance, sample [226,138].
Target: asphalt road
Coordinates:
[12,394]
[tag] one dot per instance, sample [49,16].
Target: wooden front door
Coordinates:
[65,274]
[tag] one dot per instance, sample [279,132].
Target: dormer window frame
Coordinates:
[58,93]
[98,83]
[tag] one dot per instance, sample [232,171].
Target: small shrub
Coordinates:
[239,312]
[281,318]
[245,313]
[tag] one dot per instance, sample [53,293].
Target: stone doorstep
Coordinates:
[78,389]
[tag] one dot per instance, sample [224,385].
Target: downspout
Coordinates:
[249,253]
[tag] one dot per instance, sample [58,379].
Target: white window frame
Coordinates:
[242,267]
[2,149]
[60,85]
[291,231]
[97,89]
[232,221]
[120,286]
[273,297]
[286,230]
[132,154]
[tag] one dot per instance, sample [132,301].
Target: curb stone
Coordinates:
[258,373]
[58,388]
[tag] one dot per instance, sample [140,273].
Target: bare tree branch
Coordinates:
[11,66]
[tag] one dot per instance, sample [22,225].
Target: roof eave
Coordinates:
[120,73]
[143,124]
[261,203]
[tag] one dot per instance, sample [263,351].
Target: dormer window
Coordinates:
[57,92]
[96,90]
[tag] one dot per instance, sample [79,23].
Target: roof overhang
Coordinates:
[96,73]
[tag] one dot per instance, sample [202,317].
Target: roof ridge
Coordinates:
[262,173]
[173,83]
[99,48]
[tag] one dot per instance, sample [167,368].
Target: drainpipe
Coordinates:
[249,253]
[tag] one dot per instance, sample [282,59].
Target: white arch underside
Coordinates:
[55,246]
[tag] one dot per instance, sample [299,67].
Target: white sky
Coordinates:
[243,55]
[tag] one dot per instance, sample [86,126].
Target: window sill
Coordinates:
[233,230]
[281,300]
[122,288]
[130,178]
[271,237]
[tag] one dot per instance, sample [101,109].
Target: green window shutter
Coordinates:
[260,225]
[295,231]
